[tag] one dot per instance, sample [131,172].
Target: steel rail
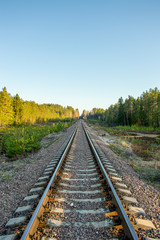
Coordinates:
[34,221]
[128,228]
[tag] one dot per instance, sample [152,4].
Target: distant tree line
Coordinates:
[13,110]
[143,111]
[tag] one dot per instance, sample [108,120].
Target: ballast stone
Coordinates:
[49,169]
[43,178]
[40,183]
[128,200]
[36,189]
[51,165]
[47,173]
[32,197]
[16,221]
[144,224]
[116,178]
[148,238]
[124,191]
[120,185]
[46,238]
[111,169]
[113,174]
[8,237]
[108,165]
[101,224]
[24,209]
[136,211]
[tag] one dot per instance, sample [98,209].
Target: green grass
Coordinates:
[148,173]
[114,147]
[20,140]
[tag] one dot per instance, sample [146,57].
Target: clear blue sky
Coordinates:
[85,53]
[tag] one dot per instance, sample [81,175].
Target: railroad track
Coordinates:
[80,200]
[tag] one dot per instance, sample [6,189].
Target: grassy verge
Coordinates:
[16,141]
[148,170]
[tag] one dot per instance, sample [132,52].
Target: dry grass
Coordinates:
[142,153]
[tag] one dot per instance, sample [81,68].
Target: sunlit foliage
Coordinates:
[143,111]
[20,140]
[15,111]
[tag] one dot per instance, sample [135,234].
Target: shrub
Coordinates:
[17,141]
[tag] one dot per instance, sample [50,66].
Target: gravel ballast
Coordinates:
[13,191]
[78,202]
[147,196]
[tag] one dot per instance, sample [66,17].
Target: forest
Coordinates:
[15,111]
[143,111]
[25,123]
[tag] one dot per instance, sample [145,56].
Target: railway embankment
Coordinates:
[148,196]
[20,176]
[121,173]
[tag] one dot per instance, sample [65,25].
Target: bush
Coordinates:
[17,141]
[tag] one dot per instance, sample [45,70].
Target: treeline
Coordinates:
[143,111]
[13,110]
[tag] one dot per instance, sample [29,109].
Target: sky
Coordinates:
[83,54]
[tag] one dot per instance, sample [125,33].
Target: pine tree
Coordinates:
[6,108]
[18,109]
[84,114]
[76,114]
[121,114]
